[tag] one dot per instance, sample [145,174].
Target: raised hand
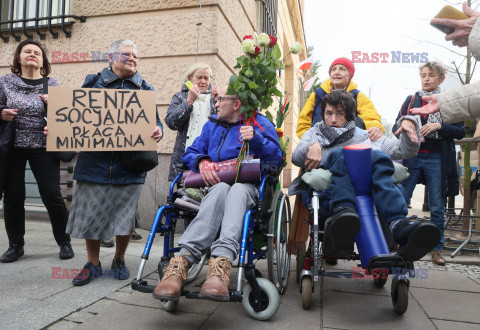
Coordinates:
[462,27]
[431,107]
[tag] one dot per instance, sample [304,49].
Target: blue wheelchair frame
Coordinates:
[247,255]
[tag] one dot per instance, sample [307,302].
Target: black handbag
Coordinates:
[7,140]
[139,161]
[63,156]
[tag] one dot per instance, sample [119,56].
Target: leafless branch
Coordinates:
[458,73]
[434,43]
[474,66]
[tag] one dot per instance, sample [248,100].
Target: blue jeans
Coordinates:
[387,197]
[431,166]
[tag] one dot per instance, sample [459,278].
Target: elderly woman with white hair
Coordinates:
[435,163]
[189,111]
[107,192]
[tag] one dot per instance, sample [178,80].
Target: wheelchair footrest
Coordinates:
[234,296]
[387,261]
[339,274]
[142,286]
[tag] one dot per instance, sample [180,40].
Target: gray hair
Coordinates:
[191,70]
[432,65]
[116,45]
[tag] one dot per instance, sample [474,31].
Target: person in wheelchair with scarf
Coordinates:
[321,146]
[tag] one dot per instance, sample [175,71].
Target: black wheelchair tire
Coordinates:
[307,292]
[380,281]
[300,260]
[400,298]
[277,255]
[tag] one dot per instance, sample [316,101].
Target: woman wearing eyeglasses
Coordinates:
[189,111]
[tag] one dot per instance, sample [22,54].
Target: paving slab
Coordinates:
[63,325]
[449,305]
[121,316]
[79,317]
[438,279]
[447,325]
[32,314]
[354,285]
[136,298]
[359,311]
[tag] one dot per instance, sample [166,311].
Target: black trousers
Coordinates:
[46,169]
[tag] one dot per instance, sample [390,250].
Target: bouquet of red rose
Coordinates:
[256,83]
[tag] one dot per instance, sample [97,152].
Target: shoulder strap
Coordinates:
[45,85]
[45,91]
[410,104]
[354,92]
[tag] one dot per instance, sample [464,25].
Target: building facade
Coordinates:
[170,35]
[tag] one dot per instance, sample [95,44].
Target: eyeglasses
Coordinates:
[223,98]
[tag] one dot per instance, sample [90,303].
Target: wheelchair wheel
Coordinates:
[400,298]
[195,270]
[380,281]
[300,260]
[270,300]
[307,292]
[278,229]
[169,306]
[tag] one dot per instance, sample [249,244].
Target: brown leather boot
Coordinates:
[218,277]
[437,258]
[172,282]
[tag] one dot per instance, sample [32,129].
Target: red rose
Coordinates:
[273,41]
[248,37]
[257,50]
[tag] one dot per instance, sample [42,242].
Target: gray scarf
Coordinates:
[330,136]
[434,117]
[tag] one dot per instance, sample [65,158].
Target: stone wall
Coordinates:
[165,33]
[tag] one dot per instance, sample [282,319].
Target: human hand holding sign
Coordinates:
[208,170]
[157,133]
[462,27]
[44,98]
[8,114]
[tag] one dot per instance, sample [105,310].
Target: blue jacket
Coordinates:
[220,141]
[106,166]
[450,181]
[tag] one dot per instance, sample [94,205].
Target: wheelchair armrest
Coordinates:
[268,179]
[175,181]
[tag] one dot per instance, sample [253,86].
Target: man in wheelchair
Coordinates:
[218,224]
[321,146]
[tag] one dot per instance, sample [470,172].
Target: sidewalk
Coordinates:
[440,297]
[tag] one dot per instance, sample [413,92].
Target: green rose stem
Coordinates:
[286,56]
[244,152]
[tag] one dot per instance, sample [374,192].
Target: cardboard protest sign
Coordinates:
[92,119]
